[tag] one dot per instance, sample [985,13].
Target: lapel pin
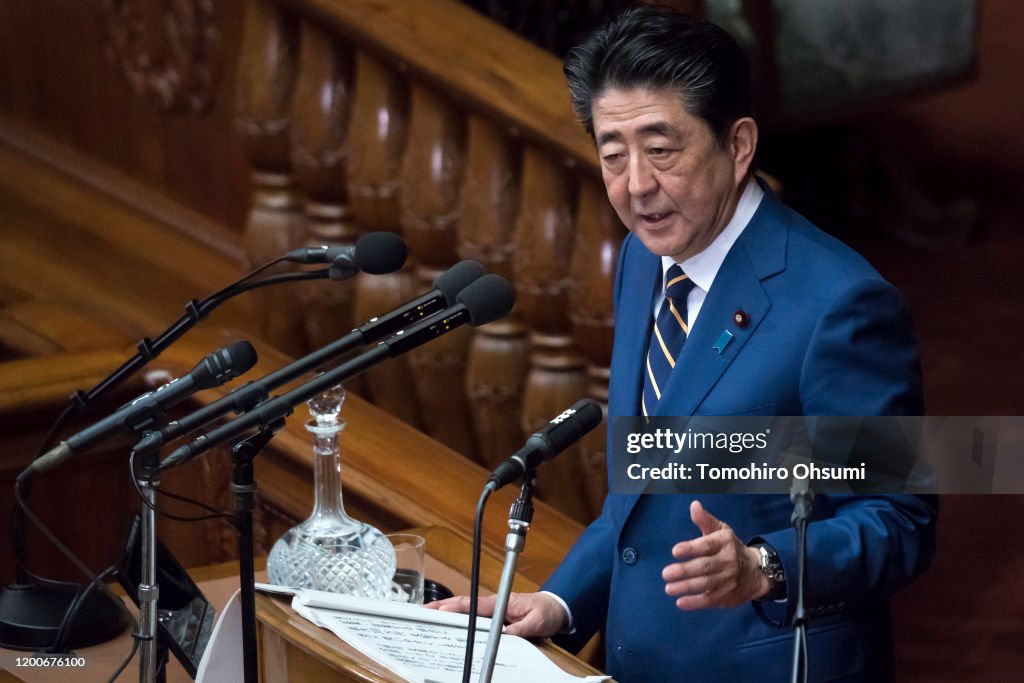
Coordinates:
[723,341]
[741,318]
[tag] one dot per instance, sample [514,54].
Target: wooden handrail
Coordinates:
[483,66]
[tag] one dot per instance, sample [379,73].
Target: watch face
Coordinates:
[770,565]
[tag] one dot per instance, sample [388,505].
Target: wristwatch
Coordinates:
[771,566]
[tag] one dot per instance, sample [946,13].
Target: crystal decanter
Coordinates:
[330,550]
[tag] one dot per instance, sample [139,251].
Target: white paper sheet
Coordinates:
[423,645]
[222,659]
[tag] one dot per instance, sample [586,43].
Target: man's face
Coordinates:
[666,177]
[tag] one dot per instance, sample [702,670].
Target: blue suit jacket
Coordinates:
[826,336]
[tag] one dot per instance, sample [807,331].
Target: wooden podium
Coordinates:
[293,649]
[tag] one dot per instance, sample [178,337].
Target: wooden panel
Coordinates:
[64,243]
[63,75]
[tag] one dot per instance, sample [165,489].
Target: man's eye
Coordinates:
[614,162]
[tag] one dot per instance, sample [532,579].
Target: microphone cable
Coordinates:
[474,583]
[95,580]
[214,512]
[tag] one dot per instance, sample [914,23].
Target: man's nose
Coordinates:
[642,180]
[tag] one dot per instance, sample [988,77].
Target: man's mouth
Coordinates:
[651,218]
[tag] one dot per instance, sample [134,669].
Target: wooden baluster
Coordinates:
[376,141]
[557,379]
[431,177]
[599,234]
[275,223]
[499,356]
[321,111]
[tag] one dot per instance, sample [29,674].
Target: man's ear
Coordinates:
[742,145]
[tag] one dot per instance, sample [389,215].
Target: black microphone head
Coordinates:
[224,364]
[380,252]
[588,412]
[457,278]
[487,299]
[569,427]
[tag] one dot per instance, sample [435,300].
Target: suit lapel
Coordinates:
[717,338]
[709,349]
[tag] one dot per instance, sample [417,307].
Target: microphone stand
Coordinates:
[519,519]
[803,502]
[243,485]
[149,591]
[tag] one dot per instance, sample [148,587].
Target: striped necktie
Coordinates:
[667,337]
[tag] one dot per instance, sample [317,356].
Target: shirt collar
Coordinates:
[703,267]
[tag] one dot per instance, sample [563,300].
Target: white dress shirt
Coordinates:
[703,267]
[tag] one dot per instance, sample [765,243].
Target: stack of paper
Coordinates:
[418,644]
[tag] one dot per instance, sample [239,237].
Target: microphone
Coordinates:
[487,299]
[559,434]
[213,370]
[375,253]
[447,287]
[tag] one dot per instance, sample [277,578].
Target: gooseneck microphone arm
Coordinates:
[485,300]
[150,349]
[379,252]
[447,287]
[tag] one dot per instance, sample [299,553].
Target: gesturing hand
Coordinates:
[715,570]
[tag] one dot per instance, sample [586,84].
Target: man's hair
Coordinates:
[657,47]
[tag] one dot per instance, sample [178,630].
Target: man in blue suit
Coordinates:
[763,314]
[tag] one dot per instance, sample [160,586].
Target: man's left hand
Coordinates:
[715,570]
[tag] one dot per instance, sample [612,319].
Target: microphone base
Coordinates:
[31,616]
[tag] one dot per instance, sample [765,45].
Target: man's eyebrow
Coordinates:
[660,128]
[656,128]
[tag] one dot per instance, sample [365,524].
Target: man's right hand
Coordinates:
[529,615]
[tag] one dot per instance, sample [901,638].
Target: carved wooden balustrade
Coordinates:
[426,119]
